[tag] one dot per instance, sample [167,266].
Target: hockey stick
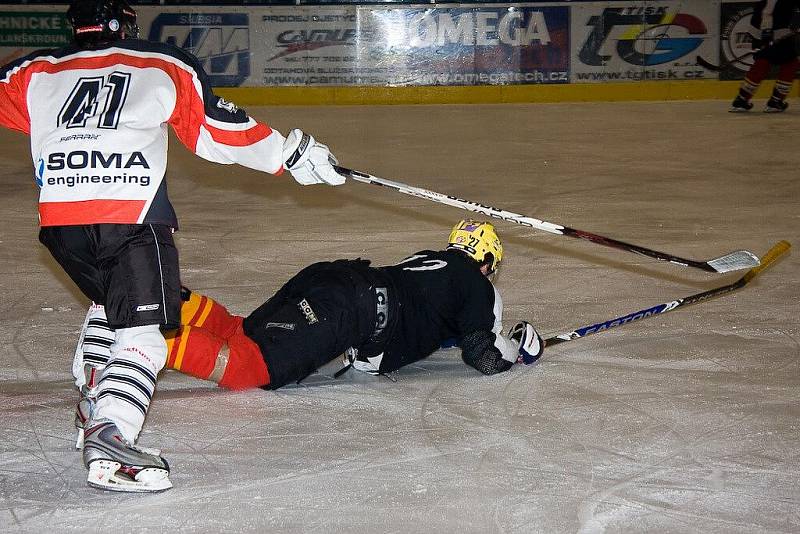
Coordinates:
[772,254]
[740,259]
[725,64]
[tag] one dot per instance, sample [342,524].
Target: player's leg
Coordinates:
[235,363]
[201,310]
[94,346]
[91,357]
[140,264]
[777,102]
[752,80]
[193,350]
[73,247]
[783,53]
[245,368]
[310,321]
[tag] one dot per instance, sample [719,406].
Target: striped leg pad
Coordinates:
[127,384]
[97,342]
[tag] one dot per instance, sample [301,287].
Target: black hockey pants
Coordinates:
[318,314]
[131,269]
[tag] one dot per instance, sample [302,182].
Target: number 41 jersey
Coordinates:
[97,121]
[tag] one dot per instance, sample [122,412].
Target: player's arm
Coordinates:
[13,97]
[762,23]
[219,131]
[479,350]
[486,349]
[767,19]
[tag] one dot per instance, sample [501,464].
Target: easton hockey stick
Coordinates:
[772,254]
[740,259]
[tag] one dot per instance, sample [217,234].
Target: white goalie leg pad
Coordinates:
[91,357]
[94,343]
[129,380]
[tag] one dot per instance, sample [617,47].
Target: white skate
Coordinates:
[116,465]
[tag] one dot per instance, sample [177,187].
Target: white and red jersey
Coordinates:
[98,119]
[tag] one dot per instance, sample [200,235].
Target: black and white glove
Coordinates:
[309,162]
[529,342]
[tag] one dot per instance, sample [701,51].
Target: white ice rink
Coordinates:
[684,422]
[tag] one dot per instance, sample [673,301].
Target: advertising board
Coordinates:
[636,41]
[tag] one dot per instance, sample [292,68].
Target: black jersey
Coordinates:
[392,315]
[439,295]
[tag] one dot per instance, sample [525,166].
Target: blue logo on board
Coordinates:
[221,41]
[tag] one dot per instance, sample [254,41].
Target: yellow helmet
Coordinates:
[478,239]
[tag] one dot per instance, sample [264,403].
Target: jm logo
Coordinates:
[220,40]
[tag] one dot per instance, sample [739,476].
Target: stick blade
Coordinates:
[706,64]
[772,254]
[735,261]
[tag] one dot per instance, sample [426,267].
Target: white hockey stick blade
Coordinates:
[735,261]
[105,474]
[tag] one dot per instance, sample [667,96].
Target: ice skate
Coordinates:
[116,465]
[775,106]
[740,105]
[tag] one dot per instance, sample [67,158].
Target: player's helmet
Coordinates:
[98,21]
[479,241]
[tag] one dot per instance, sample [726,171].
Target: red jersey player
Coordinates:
[776,44]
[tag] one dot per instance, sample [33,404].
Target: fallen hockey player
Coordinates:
[383,318]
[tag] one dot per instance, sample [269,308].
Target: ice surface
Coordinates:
[686,422]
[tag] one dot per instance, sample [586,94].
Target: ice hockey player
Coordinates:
[97,113]
[776,44]
[382,317]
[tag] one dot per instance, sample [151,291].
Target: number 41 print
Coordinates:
[84,103]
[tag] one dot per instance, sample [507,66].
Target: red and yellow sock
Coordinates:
[246,367]
[200,310]
[193,351]
[198,352]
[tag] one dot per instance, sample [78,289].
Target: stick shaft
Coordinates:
[523,220]
[722,66]
[725,64]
